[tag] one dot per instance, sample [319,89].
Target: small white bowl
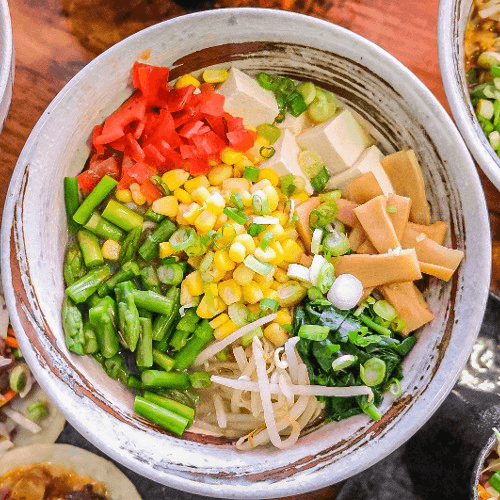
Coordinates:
[402,113]
[7,61]
[452,22]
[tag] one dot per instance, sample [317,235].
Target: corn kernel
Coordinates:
[200,194]
[282,217]
[210,307]
[219,174]
[243,275]
[292,251]
[191,184]
[269,293]
[272,197]
[180,214]
[265,255]
[219,320]
[246,198]
[283,317]
[280,253]
[123,195]
[230,291]
[186,80]
[275,334]
[237,252]
[225,330]
[111,249]
[280,275]
[166,249]
[300,198]
[275,284]
[238,170]
[167,205]
[215,75]
[213,189]
[137,195]
[185,297]
[290,234]
[183,196]
[252,293]
[247,241]
[271,175]
[254,308]
[194,261]
[175,178]
[264,281]
[236,185]
[192,213]
[205,221]
[229,156]
[222,261]
[260,185]
[221,220]
[194,283]
[215,204]
[211,289]
[278,232]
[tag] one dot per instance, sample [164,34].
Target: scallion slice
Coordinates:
[262,268]
[336,243]
[316,240]
[237,215]
[267,152]
[269,131]
[343,362]
[182,238]
[170,274]
[320,180]
[385,310]
[266,240]
[314,332]
[323,215]
[260,202]
[255,229]
[236,201]
[261,219]
[251,173]
[325,277]
[373,371]
[224,237]
[267,304]
[238,313]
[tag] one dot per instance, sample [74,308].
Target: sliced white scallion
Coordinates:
[22,420]
[291,213]
[317,263]
[299,272]
[494,138]
[4,318]
[345,292]
[485,109]
[317,237]
[268,221]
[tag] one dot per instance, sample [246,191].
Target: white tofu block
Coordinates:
[369,161]
[284,161]
[339,141]
[247,99]
[295,124]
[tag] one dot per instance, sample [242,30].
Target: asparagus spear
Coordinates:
[72,201]
[128,271]
[128,315]
[103,188]
[91,250]
[144,354]
[200,339]
[163,322]
[152,301]
[149,249]
[103,228]
[103,317]
[130,245]
[170,420]
[72,321]
[74,267]
[90,344]
[84,287]
[149,279]
[115,367]
[160,378]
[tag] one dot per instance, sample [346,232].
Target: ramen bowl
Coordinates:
[6,61]
[401,112]
[452,22]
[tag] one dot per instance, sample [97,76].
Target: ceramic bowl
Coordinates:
[401,112]
[452,22]
[6,61]
[479,465]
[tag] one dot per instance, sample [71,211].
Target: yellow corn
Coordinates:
[278,232]
[175,178]
[266,255]
[219,320]
[194,283]
[280,275]
[194,261]
[123,195]
[183,208]
[246,198]
[292,251]
[219,174]
[186,80]
[275,334]
[215,75]
[222,261]
[269,293]
[243,275]
[221,220]
[254,308]
[191,184]
[224,330]
[299,198]
[213,189]
[283,317]
[280,253]
[185,297]
[291,234]
[237,252]
[205,221]
[253,153]
[260,185]
[271,175]
[264,281]
[211,289]
[167,205]
[230,291]
[272,197]
[191,214]
[137,196]
[200,195]
[111,249]
[236,185]
[247,241]
[275,284]
[215,204]
[166,249]
[252,293]
[226,194]
[210,307]
[229,156]
[182,196]
[282,217]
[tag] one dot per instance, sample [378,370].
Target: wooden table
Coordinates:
[54,39]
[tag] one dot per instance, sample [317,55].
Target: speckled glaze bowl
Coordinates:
[480,464]
[7,61]
[452,21]
[402,114]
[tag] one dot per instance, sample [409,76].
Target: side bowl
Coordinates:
[401,112]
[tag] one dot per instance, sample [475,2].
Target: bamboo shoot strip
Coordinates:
[398,209]
[121,215]
[152,301]
[96,196]
[102,317]
[159,378]
[171,421]
[71,200]
[91,250]
[149,249]
[103,228]
[83,288]
[170,404]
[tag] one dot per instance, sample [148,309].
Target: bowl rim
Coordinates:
[310,482]
[453,77]
[7,64]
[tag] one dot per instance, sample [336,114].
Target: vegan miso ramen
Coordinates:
[244,256]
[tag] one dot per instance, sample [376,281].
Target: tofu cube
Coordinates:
[369,161]
[285,159]
[295,124]
[245,98]
[339,141]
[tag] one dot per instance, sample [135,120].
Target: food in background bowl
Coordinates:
[243,241]
[488,476]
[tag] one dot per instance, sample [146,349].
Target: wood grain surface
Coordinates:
[54,39]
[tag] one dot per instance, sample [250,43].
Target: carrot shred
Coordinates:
[8,396]
[483,493]
[12,342]
[11,332]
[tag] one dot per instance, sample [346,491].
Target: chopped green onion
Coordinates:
[288,186]
[290,293]
[260,203]
[336,244]
[485,109]
[37,410]
[385,310]
[200,380]
[251,174]
[267,304]
[320,180]
[323,107]
[296,103]
[170,274]
[311,163]
[182,238]
[222,241]
[19,377]
[314,293]
[394,386]
[197,248]
[205,266]
[267,151]
[391,209]
[237,215]
[160,184]
[255,229]
[267,81]
[262,268]
[270,132]
[343,362]
[330,196]
[267,239]
[314,332]
[236,201]
[323,215]
[325,277]
[308,91]
[317,237]
[238,313]
[372,372]
[247,338]
[398,324]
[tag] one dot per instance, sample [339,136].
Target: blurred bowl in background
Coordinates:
[7,61]
[401,112]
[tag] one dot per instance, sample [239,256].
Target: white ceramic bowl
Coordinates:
[452,21]
[6,61]
[402,113]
